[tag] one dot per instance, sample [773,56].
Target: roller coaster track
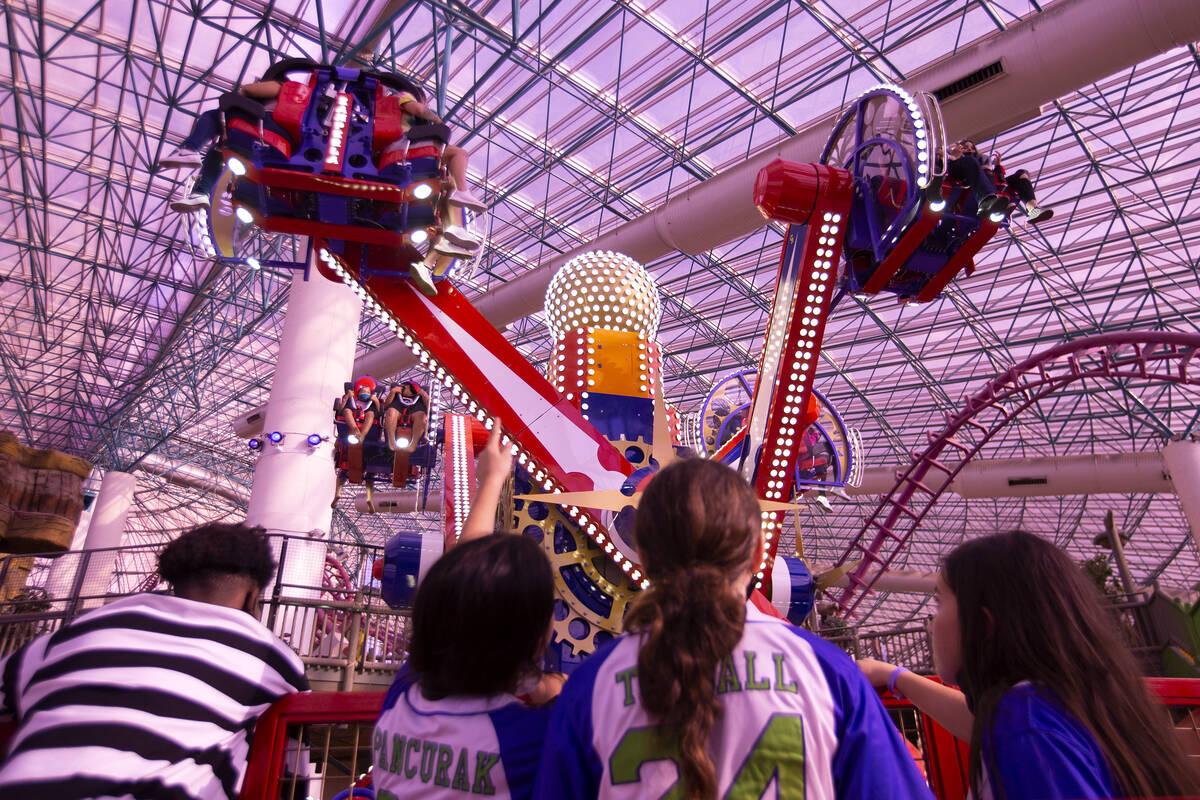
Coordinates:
[1127,355]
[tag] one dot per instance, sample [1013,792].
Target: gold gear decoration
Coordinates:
[600,570]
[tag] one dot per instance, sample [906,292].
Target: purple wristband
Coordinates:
[892,682]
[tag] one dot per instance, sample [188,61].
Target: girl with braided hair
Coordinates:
[705,696]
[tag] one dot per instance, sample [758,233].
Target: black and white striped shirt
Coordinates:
[152,696]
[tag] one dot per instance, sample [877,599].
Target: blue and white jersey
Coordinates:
[799,720]
[455,747]
[1041,751]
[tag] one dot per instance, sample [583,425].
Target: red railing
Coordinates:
[941,756]
[266,772]
[332,730]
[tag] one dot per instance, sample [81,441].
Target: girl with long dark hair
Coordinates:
[705,696]
[1052,700]
[452,724]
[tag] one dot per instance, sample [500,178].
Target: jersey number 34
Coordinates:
[778,754]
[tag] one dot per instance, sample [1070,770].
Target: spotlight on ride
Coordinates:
[236,166]
[418,236]
[275,437]
[933,195]
[422,191]
[352,440]
[314,439]
[244,215]
[253,263]
[255,443]
[401,441]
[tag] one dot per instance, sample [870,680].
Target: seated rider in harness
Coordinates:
[359,408]
[406,406]
[966,166]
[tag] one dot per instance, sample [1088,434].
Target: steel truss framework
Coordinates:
[120,343]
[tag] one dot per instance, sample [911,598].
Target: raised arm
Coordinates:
[261,90]
[491,470]
[947,705]
[419,109]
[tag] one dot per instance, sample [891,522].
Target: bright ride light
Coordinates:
[314,439]
[255,444]
[275,437]
[996,216]
[236,166]
[351,439]
[402,442]
[418,236]
[244,215]
[337,132]
[252,263]
[422,191]
[937,205]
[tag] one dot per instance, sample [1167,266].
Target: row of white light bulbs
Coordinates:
[459,454]
[525,459]
[601,315]
[918,128]
[807,344]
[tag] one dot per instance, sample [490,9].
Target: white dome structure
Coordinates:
[603,290]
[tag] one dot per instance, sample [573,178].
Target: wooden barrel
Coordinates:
[41,497]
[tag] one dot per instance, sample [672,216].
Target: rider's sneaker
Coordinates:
[180,159]
[1037,214]
[464,198]
[422,277]
[189,203]
[448,248]
[461,237]
[998,209]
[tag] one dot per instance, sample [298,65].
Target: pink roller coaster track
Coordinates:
[1128,355]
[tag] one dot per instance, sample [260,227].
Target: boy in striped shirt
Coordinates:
[154,695]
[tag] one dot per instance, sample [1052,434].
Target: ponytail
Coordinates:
[697,530]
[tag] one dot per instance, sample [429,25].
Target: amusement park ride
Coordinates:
[877,214]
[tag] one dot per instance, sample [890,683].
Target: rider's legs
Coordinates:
[390,418]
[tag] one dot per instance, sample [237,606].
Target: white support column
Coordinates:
[293,481]
[1183,462]
[106,529]
[60,581]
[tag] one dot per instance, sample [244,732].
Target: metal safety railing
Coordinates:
[908,646]
[323,600]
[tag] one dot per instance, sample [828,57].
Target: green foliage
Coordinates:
[1100,572]
[30,600]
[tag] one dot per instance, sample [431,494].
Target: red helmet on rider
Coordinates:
[364,387]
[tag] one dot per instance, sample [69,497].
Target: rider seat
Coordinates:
[247,121]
